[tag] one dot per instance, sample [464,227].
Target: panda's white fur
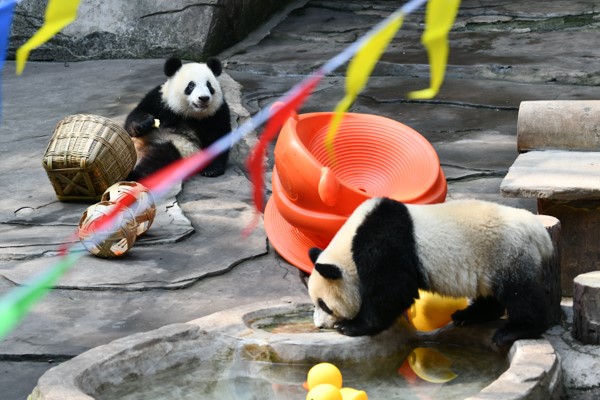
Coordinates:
[189,105]
[462,248]
[192,114]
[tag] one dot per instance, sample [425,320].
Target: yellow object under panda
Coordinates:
[432,311]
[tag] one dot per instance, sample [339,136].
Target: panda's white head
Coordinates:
[334,285]
[192,90]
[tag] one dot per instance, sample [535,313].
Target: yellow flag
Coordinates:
[359,70]
[59,13]
[439,17]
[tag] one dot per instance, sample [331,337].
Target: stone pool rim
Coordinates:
[534,372]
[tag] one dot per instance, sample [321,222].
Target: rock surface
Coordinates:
[586,308]
[143,29]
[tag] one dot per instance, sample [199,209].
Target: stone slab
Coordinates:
[580,362]
[516,49]
[559,125]
[555,175]
[37,232]
[580,234]
[551,281]
[219,225]
[590,279]
[586,307]
[18,377]
[70,321]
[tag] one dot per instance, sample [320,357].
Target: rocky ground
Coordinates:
[194,262]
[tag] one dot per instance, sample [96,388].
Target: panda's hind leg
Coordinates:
[526,308]
[155,157]
[481,309]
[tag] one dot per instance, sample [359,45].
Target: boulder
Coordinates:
[112,29]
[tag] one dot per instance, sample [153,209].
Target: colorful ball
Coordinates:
[123,230]
[143,206]
[324,391]
[324,373]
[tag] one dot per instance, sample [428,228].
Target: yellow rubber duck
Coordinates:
[324,391]
[324,373]
[324,382]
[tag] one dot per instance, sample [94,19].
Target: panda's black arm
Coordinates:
[382,303]
[385,255]
[141,119]
[219,126]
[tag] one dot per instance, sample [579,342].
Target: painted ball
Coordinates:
[107,240]
[137,197]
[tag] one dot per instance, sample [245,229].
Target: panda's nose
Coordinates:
[204,99]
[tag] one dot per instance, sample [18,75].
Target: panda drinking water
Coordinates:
[372,269]
[183,115]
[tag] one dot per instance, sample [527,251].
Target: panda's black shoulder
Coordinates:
[152,100]
[151,103]
[388,219]
[384,240]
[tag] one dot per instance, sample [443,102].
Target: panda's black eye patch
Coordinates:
[324,307]
[210,88]
[190,88]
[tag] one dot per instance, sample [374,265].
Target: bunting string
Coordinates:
[368,49]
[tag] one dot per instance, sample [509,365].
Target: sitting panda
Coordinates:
[179,117]
[386,251]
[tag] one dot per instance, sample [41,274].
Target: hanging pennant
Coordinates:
[359,70]
[279,115]
[439,17]
[15,304]
[6,13]
[59,13]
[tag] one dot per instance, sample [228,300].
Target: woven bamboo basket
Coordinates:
[87,154]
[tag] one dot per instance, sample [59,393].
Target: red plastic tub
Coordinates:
[313,196]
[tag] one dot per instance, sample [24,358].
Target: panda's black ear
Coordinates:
[172,65]
[314,253]
[215,65]
[329,271]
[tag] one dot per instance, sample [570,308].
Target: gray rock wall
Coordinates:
[108,29]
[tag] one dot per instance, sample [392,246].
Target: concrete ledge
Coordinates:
[554,174]
[534,372]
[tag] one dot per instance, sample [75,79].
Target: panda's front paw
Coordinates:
[461,318]
[356,328]
[348,328]
[511,332]
[141,126]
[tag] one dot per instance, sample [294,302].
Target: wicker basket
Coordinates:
[86,155]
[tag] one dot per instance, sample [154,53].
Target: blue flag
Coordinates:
[6,12]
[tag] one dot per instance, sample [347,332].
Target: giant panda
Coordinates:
[372,269]
[186,113]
